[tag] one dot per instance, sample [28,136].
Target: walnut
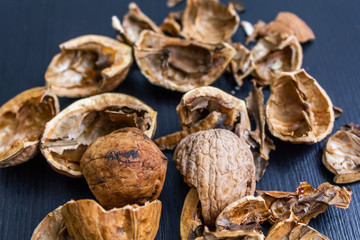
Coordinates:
[209,21]
[87,220]
[273,55]
[124,167]
[342,154]
[88,65]
[306,203]
[285,23]
[22,121]
[134,22]
[219,165]
[67,136]
[298,109]
[291,229]
[179,64]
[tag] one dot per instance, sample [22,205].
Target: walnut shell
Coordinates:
[88,65]
[298,109]
[179,64]
[242,63]
[209,21]
[195,105]
[67,136]
[273,55]
[219,165]
[124,167]
[232,235]
[342,154]
[22,121]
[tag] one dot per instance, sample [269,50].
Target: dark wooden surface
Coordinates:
[31,32]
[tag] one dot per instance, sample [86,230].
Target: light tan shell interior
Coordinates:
[298,109]
[88,65]
[67,136]
[22,120]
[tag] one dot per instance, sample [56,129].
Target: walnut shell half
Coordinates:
[342,154]
[298,109]
[219,165]
[179,64]
[67,136]
[22,121]
[88,65]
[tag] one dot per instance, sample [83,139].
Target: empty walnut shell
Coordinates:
[124,167]
[195,105]
[298,109]
[22,120]
[342,154]
[67,136]
[209,21]
[273,55]
[179,64]
[88,65]
[219,165]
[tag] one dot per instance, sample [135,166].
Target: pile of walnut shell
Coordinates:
[106,137]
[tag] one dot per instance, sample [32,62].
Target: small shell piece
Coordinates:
[172,24]
[247,213]
[67,136]
[286,23]
[195,105]
[134,22]
[342,154]
[124,167]
[273,55]
[178,64]
[209,21]
[88,65]
[306,203]
[219,165]
[232,235]
[298,109]
[52,227]
[242,63]
[22,121]
[87,220]
[291,229]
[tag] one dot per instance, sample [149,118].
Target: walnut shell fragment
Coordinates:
[178,64]
[285,23]
[298,109]
[172,24]
[172,3]
[22,121]
[242,63]
[124,167]
[342,154]
[195,105]
[134,22]
[306,203]
[86,219]
[52,227]
[219,165]
[247,213]
[67,136]
[273,55]
[88,65]
[209,21]
[232,235]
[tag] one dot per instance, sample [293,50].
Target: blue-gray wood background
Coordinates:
[31,32]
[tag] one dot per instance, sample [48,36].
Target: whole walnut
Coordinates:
[124,167]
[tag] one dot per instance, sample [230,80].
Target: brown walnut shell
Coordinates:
[219,165]
[87,220]
[195,105]
[273,55]
[232,235]
[342,154]
[124,167]
[179,64]
[298,109]
[209,21]
[67,136]
[242,63]
[22,121]
[134,22]
[88,65]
